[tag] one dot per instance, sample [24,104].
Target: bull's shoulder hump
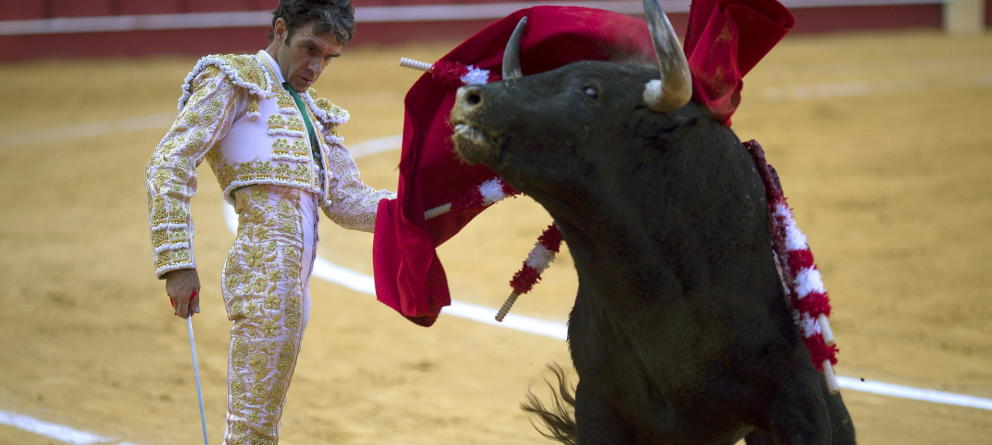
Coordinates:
[244,71]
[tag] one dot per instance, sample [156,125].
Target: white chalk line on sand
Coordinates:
[53,430]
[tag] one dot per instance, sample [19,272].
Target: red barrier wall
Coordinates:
[38,9]
[193,42]
[221,5]
[155,7]
[11,10]
[858,18]
[221,40]
[79,8]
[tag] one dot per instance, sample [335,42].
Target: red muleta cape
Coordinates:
[725,39]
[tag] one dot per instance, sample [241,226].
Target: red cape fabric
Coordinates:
[409,276]
[724,40]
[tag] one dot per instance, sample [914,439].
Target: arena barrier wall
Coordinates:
[47,29]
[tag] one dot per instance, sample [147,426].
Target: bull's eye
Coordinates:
[591,91]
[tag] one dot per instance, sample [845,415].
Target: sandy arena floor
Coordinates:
[883,143]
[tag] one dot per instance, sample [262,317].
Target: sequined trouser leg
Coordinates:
[266,293]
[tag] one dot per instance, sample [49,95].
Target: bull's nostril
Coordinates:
[473,98]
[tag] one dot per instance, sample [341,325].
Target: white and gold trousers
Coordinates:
[266,289]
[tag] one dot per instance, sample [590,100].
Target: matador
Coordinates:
[277,155]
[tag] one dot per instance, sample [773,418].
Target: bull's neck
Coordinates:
[680,237]
[620,245]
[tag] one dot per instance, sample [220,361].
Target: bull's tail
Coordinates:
[559,417]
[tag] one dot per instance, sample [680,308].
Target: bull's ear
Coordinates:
[674,87]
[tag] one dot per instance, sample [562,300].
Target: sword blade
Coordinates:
[196,374]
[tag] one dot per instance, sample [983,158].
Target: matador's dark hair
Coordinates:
[336,17]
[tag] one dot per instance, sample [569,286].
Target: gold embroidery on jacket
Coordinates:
[253,107]
[297,149]
[247,68]
[209,111]
[350,202]
[279,122]
[170,175]
[285,101]
[332,115]
[303,175]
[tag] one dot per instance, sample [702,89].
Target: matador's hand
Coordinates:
[183,288]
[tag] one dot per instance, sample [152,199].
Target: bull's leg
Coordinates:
[798,414]
[841,425]
[591,342]
[596,422]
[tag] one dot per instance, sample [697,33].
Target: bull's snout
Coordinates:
[468,98]
[470,142]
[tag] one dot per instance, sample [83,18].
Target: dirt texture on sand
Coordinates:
[883,143]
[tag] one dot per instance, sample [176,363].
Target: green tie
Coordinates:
[314,145]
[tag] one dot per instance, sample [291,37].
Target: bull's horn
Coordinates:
[674,88]
[511,55]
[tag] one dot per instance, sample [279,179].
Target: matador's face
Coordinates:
[304,55]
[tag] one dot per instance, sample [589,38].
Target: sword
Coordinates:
[196,373]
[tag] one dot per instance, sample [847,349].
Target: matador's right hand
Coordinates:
[183,288]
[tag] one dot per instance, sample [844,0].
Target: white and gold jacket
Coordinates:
[236,114]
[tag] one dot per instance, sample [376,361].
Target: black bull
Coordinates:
[680,333]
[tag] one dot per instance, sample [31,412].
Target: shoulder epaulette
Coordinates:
[242,70]
[327,112]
